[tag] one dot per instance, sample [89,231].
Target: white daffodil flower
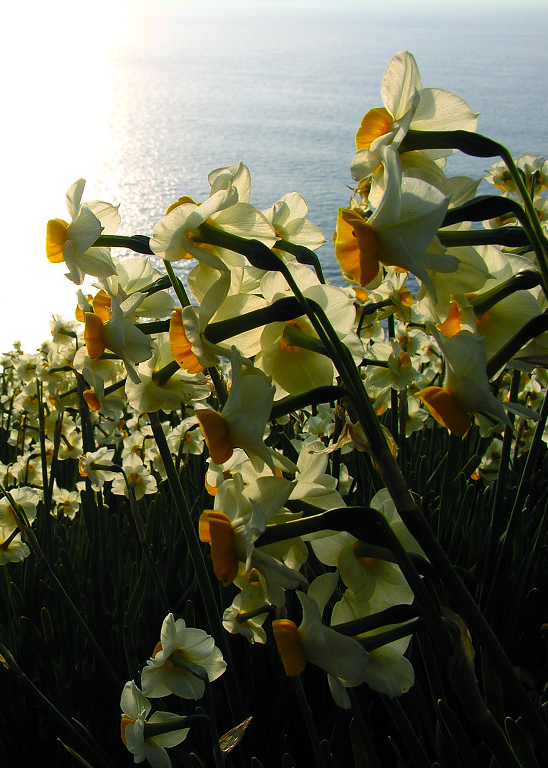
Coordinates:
[288,217]
[150,392]
[243,420]
[137,477]
[135,708]
[118,334]
[239,517]
[133,275]
[466,387]
[312,641]
[176,236]
[181,661]
[388,671]
[407,105]
[72,242]
[398,233]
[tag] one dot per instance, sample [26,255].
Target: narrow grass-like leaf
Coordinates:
[520,742]
[454,727]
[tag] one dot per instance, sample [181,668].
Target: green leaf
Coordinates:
[75,754]
[520,741]
[361,758]
[453,726]
[195,761]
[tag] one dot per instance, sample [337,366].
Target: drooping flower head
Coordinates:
[133,726]
[73,242]
[466,387]
[181,661]
[407,105]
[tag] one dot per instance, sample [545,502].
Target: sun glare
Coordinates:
[57,96]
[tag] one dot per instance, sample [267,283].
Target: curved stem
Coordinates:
[232,684]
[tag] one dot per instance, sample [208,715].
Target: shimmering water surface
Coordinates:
[144,103]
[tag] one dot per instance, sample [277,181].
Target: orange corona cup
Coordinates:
[446,409]
[286,634]
[216,529]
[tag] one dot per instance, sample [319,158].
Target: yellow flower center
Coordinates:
[216,529]
[360,550]
[123,725]
[286,634]
[286,344]
[374,124]
[176,660]
[180,346]
[181,201]
[356,247]
[446,409]
[217,435]
[93,335]
[451,325]
[56,237]
[94,404]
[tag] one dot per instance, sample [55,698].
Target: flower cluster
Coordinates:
[182,663]
[269,377]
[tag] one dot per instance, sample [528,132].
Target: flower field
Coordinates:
[251,518]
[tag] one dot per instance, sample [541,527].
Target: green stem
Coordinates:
[319,757]
[541,243]
[232,684]
[88,742]
[137,243]
[139,527]
[303,256]
[517,510]
[499,516]
[178,286]
[508,236]
[523,281]
[29,537]
[42,438]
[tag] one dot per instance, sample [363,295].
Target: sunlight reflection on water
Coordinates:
[143,104]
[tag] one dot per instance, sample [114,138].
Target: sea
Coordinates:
[152,97]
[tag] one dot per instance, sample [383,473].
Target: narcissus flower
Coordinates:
[25,499]
[313,641]
[12,549]
[291,352]
[177,235]
[96,465]
[134,275]
[119,335]
[133,728]
[250,601]
[288,217]
[181,661]
[152,392]
[72,242]
[188,345]
[388,671]
[137,477]
[240,516]
[398,233]
[243,420]
[407,105]
[466,387]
